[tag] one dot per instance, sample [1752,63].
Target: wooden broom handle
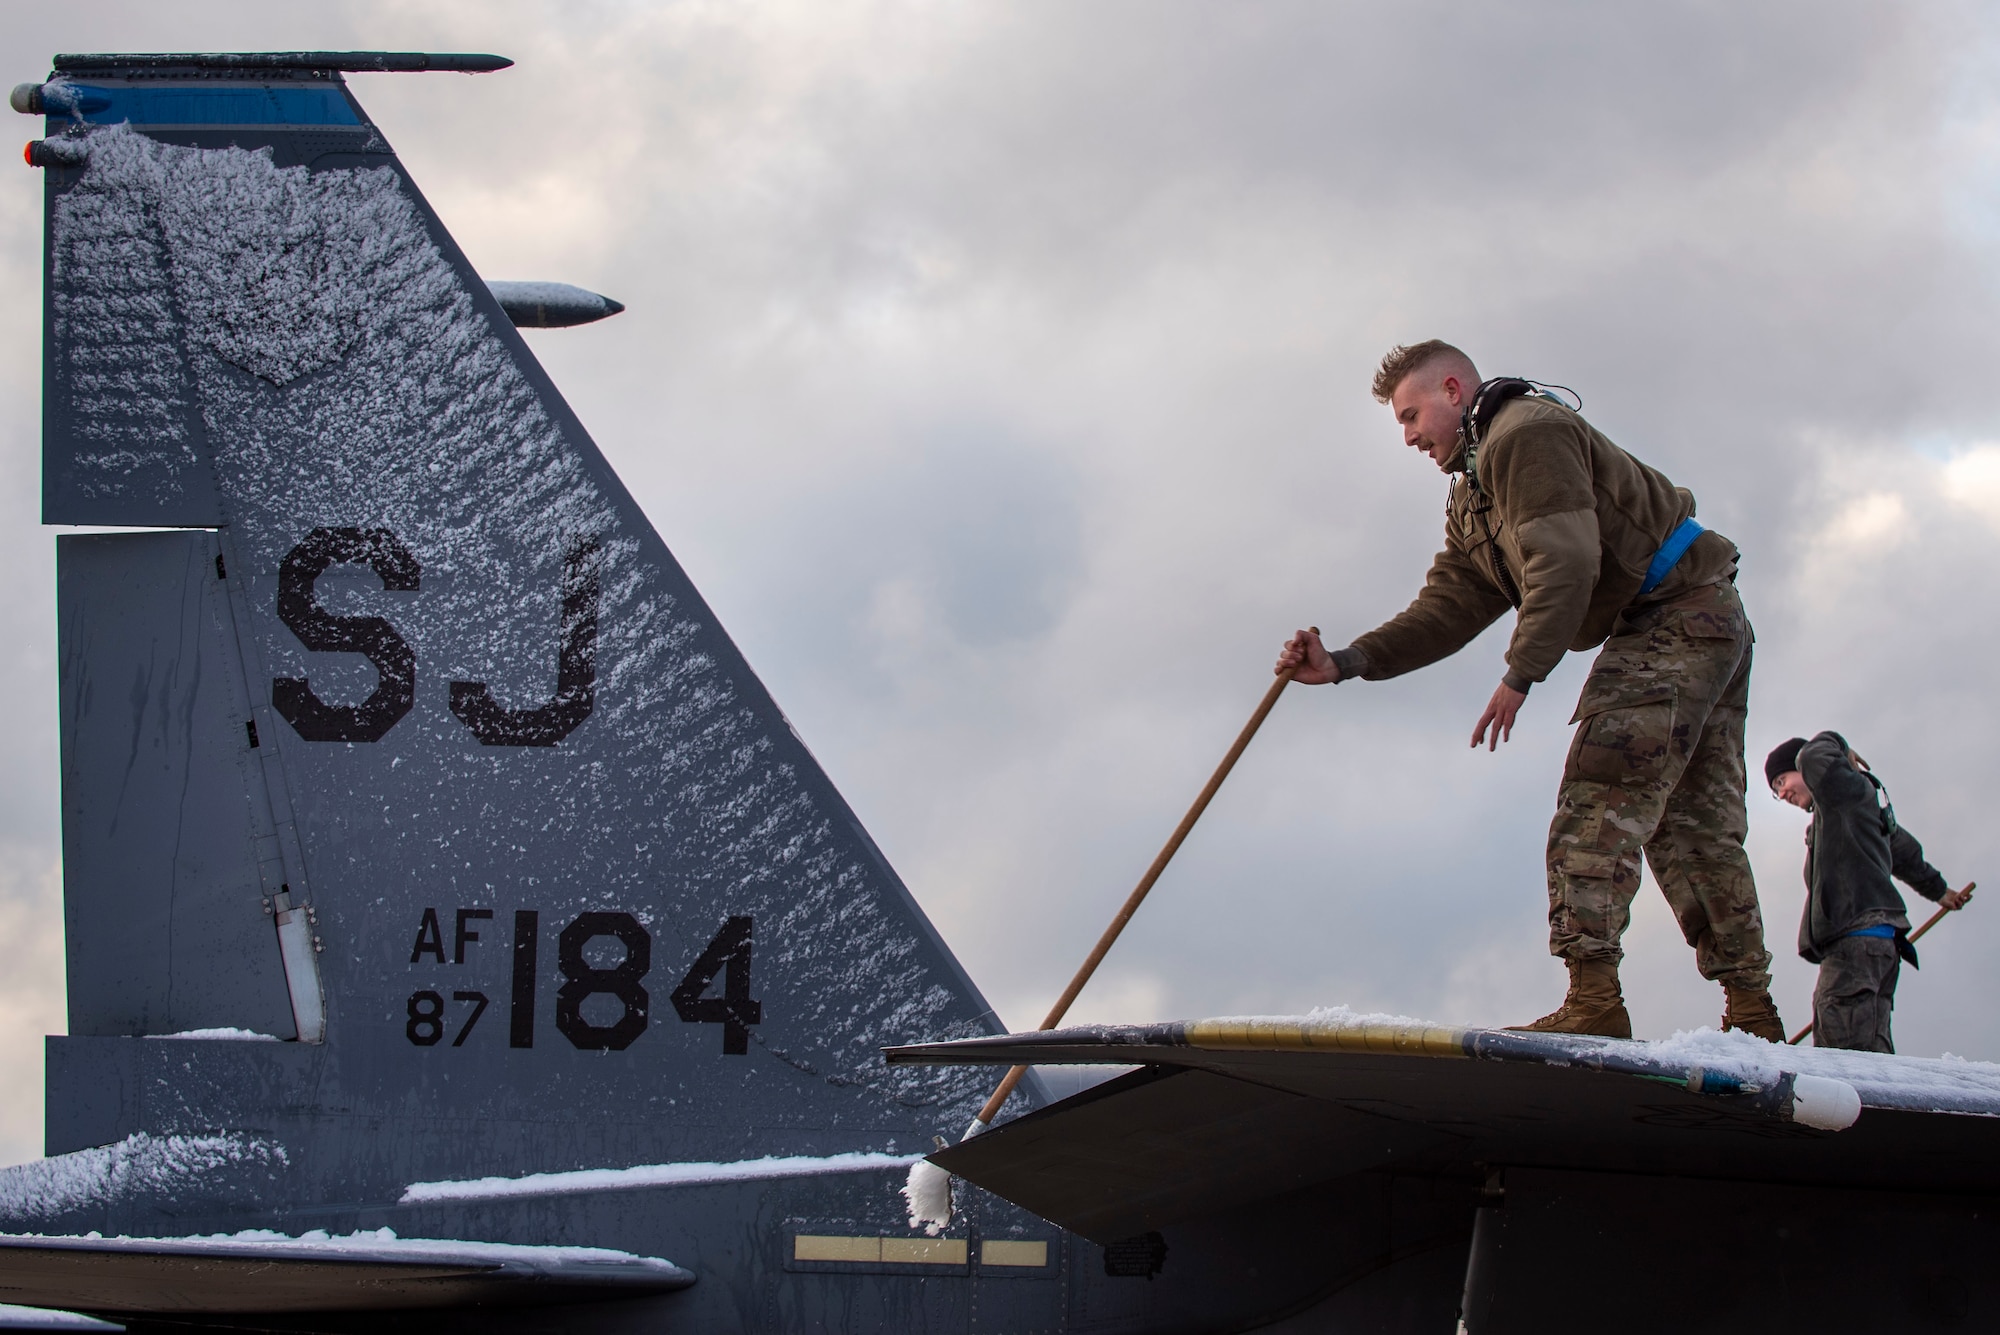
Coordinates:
[1138,895]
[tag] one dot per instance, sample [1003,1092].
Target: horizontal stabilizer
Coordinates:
[1227,1112]
[1707,1062]
[269,1274]
[1772,1093]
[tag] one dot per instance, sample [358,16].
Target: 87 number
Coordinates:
[426,1011]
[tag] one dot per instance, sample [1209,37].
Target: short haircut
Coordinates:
[1403,359]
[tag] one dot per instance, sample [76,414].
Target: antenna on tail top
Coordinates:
[351,62]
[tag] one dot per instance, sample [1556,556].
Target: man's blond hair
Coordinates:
[1404,359]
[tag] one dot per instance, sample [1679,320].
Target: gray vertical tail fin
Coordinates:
[415,747]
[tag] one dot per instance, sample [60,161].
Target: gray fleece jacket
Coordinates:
[1853,847]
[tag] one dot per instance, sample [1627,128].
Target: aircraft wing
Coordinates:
[248,1274]
[1224,1113]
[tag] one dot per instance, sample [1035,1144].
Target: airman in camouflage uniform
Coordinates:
[1591,547]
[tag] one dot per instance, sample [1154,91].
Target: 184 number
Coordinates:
[726,959]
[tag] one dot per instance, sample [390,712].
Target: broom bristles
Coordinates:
[928,1190]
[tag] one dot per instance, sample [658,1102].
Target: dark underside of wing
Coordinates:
[1196,1132]
[165,1278]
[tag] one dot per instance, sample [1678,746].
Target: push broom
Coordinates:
[928,1188]
[1929,923]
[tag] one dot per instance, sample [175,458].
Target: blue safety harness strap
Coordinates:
[1670,553]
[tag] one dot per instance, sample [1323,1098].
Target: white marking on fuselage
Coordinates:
[651,1175]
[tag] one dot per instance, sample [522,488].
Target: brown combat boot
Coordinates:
[1753,1012]
[1594,1004]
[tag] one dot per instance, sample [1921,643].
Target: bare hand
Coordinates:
[1958,899]
[1307,660]
[1499,715]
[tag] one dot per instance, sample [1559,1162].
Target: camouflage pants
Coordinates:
[1657,766]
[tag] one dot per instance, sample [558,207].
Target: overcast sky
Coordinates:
[1000,374]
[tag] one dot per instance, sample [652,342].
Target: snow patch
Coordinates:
[239,1034]
[375,1242]
[1919,1084]
[260,1251]
[1344,1016]
[1341,1016]
[139,1164]
[650,1175]
[114,340]
[269,264]
[41,1318]
[380,1243]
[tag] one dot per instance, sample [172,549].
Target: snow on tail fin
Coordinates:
[419,746]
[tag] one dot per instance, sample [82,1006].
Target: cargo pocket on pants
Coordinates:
[1627,727]
[1584,897]
[1588,863]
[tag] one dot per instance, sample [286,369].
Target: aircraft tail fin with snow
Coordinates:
[408,743]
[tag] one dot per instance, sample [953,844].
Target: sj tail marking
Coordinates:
[376,639]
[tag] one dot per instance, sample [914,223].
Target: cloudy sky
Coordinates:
[999,372]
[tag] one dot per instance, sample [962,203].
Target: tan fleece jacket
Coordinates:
[1562,527]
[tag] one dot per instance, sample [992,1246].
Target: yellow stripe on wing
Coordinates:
[1296,1034]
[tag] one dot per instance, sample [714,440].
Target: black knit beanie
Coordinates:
[1784,758]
